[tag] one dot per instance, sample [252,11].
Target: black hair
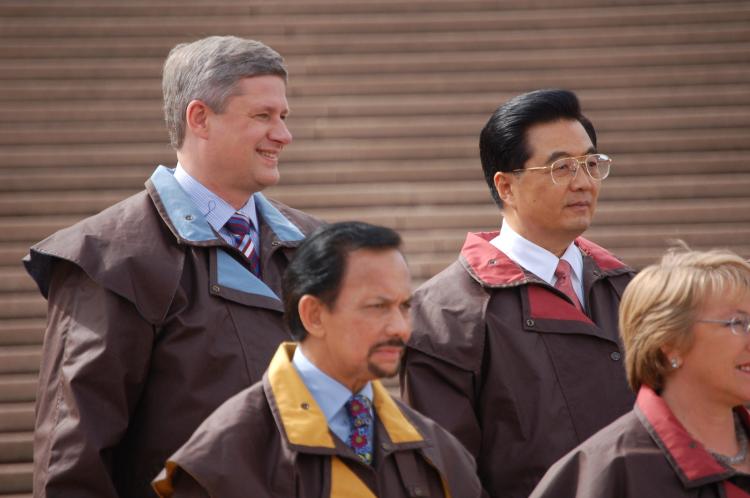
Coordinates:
[319,264]
[502,142]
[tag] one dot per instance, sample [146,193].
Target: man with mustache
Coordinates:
[320,424]
[515,347]
[164,305]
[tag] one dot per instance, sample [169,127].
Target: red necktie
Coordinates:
[565,283]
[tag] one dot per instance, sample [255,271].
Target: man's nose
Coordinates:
[400,324]
[280,133]
[582,180]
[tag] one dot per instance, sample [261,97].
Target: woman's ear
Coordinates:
[672,354]
[310,310]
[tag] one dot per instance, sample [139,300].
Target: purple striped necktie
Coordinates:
[244,236]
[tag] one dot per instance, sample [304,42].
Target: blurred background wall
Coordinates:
[388,97]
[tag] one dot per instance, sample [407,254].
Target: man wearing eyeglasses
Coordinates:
[515,347]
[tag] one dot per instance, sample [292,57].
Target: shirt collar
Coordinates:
[534,258]
[215,209]
[330,394]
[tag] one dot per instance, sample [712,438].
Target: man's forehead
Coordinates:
[558,139]
[376,271]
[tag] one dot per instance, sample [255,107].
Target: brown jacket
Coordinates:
[507,363]
[153,322]
[272,440]
[644,453]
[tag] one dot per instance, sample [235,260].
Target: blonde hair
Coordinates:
[662,303]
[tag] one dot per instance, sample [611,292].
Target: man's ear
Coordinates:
[310,310]
[504,185]
[196,118]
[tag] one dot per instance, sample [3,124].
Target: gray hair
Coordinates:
[208,70]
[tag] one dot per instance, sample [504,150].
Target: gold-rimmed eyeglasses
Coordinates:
[739,325]
[563,170]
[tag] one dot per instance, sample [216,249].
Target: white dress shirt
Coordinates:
[539,260]
[216,210]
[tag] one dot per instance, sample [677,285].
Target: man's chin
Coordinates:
[383,371]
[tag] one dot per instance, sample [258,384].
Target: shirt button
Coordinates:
[215,288]
[529,322]
[615,355]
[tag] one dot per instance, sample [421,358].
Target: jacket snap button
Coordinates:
[275,243]
[386,446]
[305,406]
[215,288]
[529,323]
[189,217]
[615,355]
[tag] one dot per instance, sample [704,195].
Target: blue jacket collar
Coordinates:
[186,220]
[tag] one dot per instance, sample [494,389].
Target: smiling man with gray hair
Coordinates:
[166,304]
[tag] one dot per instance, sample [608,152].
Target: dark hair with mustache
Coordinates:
[319,265]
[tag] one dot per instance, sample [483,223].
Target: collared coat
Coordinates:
[511,367]
[646,452]
[153,322]
[272,440]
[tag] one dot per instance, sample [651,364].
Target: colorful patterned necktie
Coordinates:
[245,239]
[360,439]
[565,283]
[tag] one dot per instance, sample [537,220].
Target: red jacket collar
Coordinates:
[493,268]
[691,461]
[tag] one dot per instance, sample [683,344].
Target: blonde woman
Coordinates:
[685,324]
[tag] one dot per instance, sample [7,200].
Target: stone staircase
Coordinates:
[388,97]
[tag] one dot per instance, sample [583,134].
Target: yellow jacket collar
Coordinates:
[303,420]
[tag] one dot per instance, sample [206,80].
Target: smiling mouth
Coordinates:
[274,156]
[744,368]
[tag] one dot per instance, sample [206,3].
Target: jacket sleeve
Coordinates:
[94,363]
[443,392]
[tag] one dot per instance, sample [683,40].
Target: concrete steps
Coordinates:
[399,63]
[325,44]
[306,128]
[685,98]
[387,100]
[342,195]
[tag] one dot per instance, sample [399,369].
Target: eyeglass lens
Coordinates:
[741,325]
[596,165]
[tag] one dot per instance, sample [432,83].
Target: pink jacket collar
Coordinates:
[493,268]
[691,461]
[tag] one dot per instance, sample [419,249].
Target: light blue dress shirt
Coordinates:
[539,260]
[216,210]
[330,395]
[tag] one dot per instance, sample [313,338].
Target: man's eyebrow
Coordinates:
[561,153]
[271,109]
